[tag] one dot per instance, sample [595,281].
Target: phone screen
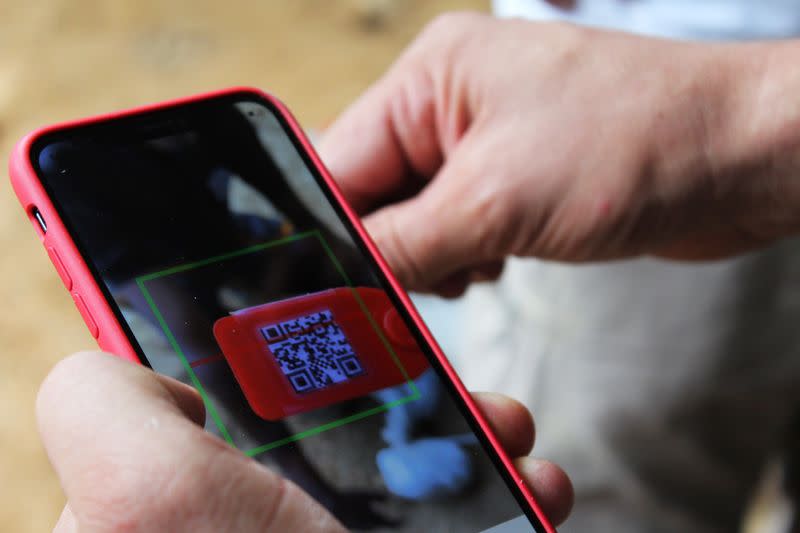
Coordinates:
[221,251]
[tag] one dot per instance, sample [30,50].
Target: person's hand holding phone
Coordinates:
[492,138]
[130,451]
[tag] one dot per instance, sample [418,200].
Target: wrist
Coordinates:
[751,115]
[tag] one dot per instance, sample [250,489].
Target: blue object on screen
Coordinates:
[427,468]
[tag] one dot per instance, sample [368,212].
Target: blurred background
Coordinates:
[62,59]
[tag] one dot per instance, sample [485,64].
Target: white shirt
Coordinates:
[680,19]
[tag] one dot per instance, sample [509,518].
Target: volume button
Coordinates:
[86,314]
[62,271]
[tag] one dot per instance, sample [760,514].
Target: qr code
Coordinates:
[312,351]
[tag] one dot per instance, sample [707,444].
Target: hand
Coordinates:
[491,138]
[130,451]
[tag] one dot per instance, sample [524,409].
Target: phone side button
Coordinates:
[87,316]
[62,271]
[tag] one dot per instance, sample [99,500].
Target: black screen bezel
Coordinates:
[175,119]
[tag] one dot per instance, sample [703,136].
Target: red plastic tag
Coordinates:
[310,351]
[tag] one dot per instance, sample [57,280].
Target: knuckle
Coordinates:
[278,502]
[171,491]
[486,203]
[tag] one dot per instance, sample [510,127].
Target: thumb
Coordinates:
[450,226]
[385,144]
[66,522]
[395,137]
[128,450]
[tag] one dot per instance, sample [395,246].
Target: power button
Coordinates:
[87,316]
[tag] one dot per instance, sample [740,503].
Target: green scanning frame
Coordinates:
[142,280]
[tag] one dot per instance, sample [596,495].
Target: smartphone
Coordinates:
[204,238]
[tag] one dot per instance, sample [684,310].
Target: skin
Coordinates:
[491,138]
[131,455]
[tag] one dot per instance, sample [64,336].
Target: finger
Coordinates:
[106,424]
[450,226]
[550,485]
[489,271]
[387,145]
[384,139]
[66,522]
[513,424]
[455,285]
[510,420]
[126,447]
[405,124]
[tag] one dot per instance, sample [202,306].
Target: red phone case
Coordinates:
[96,311]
